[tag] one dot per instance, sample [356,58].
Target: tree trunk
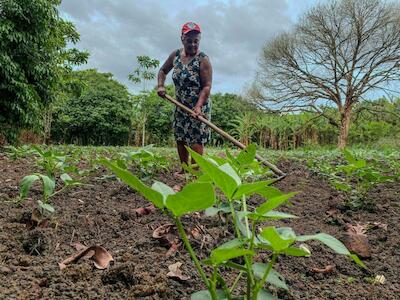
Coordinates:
[47,120]
[344,127]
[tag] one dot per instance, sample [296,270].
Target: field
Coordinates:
[95,208]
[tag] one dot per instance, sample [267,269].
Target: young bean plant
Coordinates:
[252,238]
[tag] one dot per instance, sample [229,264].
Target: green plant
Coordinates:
[50,160]
[250,239]
[359,178]
[147,162]
[18,152]
[49,186]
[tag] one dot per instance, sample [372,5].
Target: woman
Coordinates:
[192,76]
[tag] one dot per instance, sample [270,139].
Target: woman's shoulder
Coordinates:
[202,54]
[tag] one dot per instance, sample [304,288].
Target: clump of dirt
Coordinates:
[124,273]
[34,242]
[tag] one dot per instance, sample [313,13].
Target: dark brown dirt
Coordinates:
[103,213]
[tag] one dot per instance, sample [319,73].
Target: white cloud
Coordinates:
[116,31]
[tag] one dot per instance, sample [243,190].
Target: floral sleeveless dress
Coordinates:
[187,82]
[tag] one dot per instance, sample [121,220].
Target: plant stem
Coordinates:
[260,284]
[250,278]
[236,281]
[238,234]
[224,286]
[246,220]
[196,261]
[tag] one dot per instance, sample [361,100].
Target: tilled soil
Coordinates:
[103,213]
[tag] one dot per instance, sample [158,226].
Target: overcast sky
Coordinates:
[116,31]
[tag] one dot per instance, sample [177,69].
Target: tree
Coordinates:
[33,59]
[96,113]
[225,107]
[160,114]
[142,74]
[337,53]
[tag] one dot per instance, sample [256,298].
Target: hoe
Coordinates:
[227,136]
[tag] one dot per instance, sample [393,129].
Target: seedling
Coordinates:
[145,161]
[49,185]
[359,178]
[251,238]
[50,160]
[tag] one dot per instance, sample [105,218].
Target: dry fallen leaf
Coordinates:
[357,229]
[327,269]
[196,232]
[175,272]
[100,256]
[142,211]
[174,247]
[162,230]
[380,225]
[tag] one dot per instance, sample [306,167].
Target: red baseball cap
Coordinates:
[190,26]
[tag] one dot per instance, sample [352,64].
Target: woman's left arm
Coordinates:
[206,81]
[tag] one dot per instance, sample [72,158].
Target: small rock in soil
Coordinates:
[358,244]
[5,270]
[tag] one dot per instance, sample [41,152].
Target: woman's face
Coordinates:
[191,42]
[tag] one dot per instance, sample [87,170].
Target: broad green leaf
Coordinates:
[46,206]
[271,215]
[251,188]
[332,243]
[273,203]
[153,196]
[221,255]
[293,251]
[326,239]
[341,186]
[270,192]
[212,211]
[48,185]
[163,189]
[26,184]
[204,178]
[247,155]
[349,157]
[286,233]
[235,243]
[265,295]
[231,158]
[205,295]
[241,225]
[273,277]
[222,179]
[277,242]
[227,168]
[195,196]
[65,177]
[360,164]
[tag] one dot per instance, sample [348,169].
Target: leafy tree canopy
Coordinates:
[33,58]
[97,114]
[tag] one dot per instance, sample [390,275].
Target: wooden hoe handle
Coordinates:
[226,136]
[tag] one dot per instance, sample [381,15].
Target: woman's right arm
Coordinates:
[162,74]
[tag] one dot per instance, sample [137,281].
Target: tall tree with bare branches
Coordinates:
[337,53]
